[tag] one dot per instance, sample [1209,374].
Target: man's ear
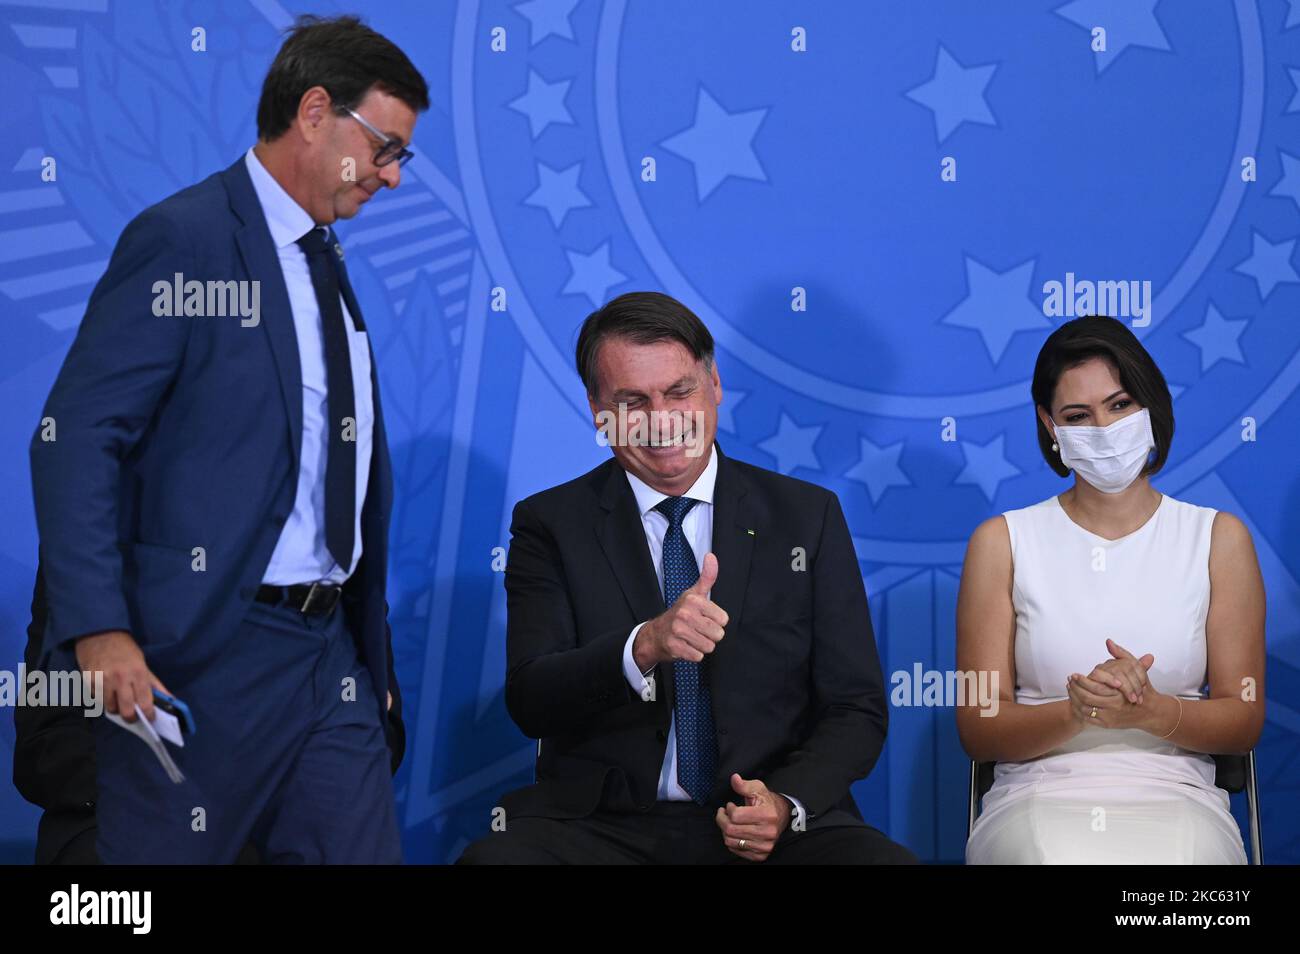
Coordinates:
[312,110]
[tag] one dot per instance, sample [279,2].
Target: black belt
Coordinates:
[310,599]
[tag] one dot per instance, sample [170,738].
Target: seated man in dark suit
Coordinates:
[688,636]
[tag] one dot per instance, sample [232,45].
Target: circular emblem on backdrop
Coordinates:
[682,148]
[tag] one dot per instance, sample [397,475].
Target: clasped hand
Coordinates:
[1116,694]
[751,830]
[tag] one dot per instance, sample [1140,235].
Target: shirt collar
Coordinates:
[287,220]
[702,490]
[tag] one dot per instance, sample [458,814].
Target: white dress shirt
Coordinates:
[697,526]
[301,555]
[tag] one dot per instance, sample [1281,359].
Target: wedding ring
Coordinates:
[1094,712]
[741,846]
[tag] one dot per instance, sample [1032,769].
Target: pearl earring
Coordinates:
[1055,447]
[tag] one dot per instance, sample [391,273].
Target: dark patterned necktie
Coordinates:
[340,454]
[697,744]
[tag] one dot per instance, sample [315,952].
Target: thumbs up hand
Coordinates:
[708,576]
[690,629]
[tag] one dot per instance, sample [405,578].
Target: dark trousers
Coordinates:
[288,754]
[66,837]
[673,833]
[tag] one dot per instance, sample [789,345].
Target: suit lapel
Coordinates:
[733,543]
[622,537]
[263,265]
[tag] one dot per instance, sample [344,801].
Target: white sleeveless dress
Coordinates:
[1108,796]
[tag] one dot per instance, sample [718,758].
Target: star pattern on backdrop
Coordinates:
[543,103]
[591,274]
[986,466]
[1269,264]
[792,445]
[878,468]
[1288,187]
[955,94]
[1218,338]
[1128,23]
[998,305]
[548,18]
[727,409]
[558,192]
[719,144]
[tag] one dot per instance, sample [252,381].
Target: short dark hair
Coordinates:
[344,56]
[643,317]
[1098,336]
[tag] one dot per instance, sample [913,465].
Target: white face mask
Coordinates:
[1111,457]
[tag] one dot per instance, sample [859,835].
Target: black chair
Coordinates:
[1232,773]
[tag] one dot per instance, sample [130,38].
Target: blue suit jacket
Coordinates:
[173,433]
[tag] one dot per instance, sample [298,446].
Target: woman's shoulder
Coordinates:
[1226,525]
[998,532]
[1043,506]
[1229,531]
[1185,506]
[1035,512]
[1186,511]
[991,536]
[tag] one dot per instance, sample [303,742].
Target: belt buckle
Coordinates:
[321,600]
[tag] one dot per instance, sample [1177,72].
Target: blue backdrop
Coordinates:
[1164,150]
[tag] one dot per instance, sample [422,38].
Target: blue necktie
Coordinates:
[340,454]
[697,745]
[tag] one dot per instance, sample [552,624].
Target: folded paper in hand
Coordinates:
[164,726]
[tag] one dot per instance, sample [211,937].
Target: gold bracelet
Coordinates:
[1179,722]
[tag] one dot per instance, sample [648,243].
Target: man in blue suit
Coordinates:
[213,486]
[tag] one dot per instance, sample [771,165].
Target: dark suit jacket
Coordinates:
[798,698]
[177,432]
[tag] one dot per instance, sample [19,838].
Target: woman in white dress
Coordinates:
[1102,613]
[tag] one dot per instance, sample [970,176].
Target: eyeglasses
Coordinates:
[392,150]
